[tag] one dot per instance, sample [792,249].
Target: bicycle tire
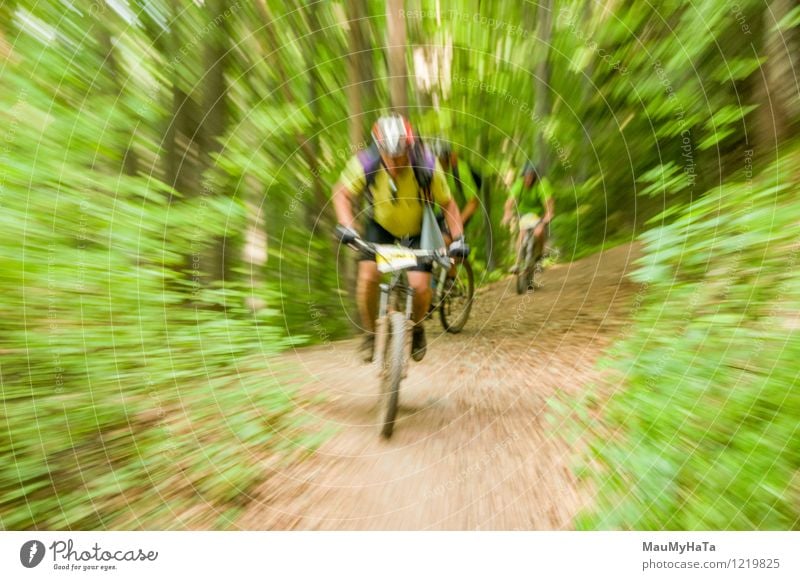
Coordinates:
[436,292]
[522,283]
[527,272]
[392,371]
[449,323]
[522,273]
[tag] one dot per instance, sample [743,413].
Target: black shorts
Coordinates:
[374,233]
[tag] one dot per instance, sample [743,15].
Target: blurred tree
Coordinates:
[541,86]
[116,87]
[396,46]
[358,70]
[220,258]
[779,109]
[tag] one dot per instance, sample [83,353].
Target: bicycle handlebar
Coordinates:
[423,256]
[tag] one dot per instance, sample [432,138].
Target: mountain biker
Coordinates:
[533,198]
[463,180]
[394,198]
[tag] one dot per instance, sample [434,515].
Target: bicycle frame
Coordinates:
[525,260]
[526,248]
[393,327]
[400,286]
[438,280]
[398,283]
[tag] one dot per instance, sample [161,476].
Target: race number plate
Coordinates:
[394,258]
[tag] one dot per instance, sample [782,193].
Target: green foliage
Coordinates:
[136,384]
[165,170]
[702,432]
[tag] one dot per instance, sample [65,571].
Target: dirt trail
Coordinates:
[472,449]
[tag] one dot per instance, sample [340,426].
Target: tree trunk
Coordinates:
[180,160]
[254,252]
[130,162]
[359,79]
[317,217]
[587,157]
[219,256]
[541,88]
[214,91]
[486,197]
[777,89]
[268,44]
[357,71]
[398,74]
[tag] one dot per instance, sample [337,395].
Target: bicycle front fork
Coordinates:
[383,307]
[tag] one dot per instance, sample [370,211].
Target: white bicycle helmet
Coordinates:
[393,134]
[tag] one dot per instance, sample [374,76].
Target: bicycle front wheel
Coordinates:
[394,360]
[525,272]
[522,283]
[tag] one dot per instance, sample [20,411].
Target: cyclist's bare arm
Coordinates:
[342,206]
[469,209]
[508,210]
[549,210]
[453,219]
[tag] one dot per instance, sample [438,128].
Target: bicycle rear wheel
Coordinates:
[394,327]
[457,299]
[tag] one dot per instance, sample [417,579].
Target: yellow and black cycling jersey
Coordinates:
[398,212]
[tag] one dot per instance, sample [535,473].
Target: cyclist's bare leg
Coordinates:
[520,237]
[367,293]
[518,246]
[421,283]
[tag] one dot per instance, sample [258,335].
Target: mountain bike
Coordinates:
[394,325]
[453,296]
[529,265]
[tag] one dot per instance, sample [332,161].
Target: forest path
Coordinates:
[473,448]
